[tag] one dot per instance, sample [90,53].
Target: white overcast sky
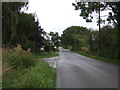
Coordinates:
[57,15]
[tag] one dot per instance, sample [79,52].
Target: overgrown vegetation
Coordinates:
[23,28]
[24,43]
[20,58]
[113,17]
[106,42]
[22,69]
[19,27]
[81,39]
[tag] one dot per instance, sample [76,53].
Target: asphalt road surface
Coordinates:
[77,71]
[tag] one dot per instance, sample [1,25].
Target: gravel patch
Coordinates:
[53,61]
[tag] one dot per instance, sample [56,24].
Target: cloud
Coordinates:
[57,15]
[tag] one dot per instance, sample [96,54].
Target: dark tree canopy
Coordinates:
[20,28]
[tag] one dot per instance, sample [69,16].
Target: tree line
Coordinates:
[88,8]
[23,28]
[104,42]
[78,38]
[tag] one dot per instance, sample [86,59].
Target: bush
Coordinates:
[48,48]
[33,73]
[20,58]
[29,44]
[39,76]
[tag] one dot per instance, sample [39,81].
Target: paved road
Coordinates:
[77,71]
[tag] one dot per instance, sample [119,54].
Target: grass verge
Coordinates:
[99,58]
[40,75]
[46,54]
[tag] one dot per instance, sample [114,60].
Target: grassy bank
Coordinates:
[39,76]
[98,58]
[34,74]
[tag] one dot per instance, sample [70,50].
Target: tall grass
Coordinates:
[39,76]
[21,59]
[24,70]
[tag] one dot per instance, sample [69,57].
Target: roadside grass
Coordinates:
[46,54]
[39,75]
[112,61]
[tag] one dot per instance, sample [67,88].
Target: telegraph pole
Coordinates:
[99,47]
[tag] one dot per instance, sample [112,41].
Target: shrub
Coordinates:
[20,58]
[39,76]
[34,73]
[48,48]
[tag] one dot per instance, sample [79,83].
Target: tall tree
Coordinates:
[39,36]
[10,12]
[109,42]
[54,38]
[21,28]
[75,37]
[87,8]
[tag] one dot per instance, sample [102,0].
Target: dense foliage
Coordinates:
[20,28]
[23,28]
[51,41]
[87,10]
[75,37]
[18,58]
[22,69]
[109,38]
[82,39]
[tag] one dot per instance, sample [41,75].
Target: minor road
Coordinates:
[77,71]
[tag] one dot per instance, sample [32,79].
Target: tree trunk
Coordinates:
[99,47]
